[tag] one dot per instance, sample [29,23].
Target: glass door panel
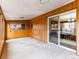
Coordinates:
[68,32]
[62,30]
[53,30]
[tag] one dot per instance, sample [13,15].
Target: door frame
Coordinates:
[58,35]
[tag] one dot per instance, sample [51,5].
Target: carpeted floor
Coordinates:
[28,48]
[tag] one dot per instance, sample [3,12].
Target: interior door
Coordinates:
[2,31]
[53,30]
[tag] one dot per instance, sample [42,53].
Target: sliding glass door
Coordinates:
[53,30]
[62,30]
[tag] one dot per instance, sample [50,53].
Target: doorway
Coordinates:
[62,30]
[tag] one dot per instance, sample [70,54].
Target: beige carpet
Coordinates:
[28,48]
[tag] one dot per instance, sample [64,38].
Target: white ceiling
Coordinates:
[14,9]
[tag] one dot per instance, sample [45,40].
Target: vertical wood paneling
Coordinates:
[18,33]
[40,23]
[2,36]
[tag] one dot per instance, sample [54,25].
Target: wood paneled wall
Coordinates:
[2,33]
[40,23]
[39,30]
[18,33]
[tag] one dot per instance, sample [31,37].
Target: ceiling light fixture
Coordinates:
[21,17]
[43,1]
